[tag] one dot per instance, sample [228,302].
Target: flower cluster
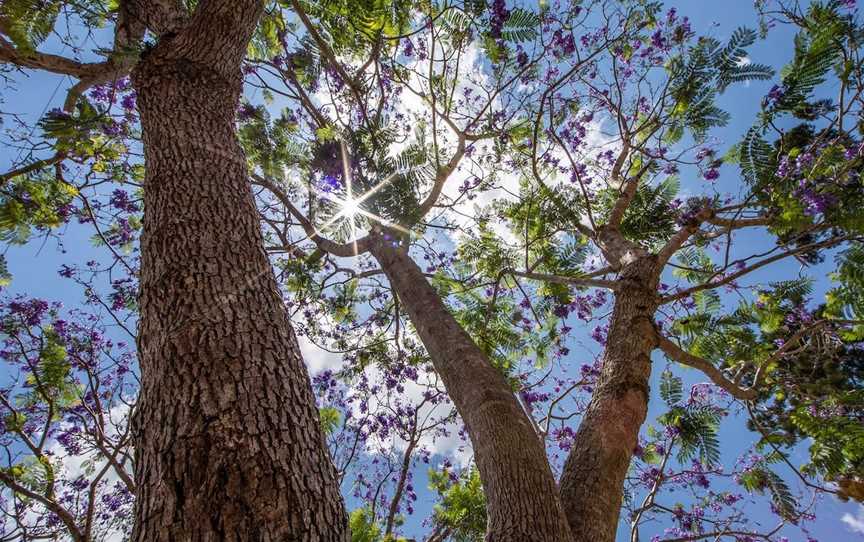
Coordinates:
[500,15]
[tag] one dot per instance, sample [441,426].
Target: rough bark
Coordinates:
[593,478]
[228,444]
[521,494]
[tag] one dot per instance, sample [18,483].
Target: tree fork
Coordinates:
[593,478]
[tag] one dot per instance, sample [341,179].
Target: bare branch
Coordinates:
[441,177]
[738,223]
[48,62]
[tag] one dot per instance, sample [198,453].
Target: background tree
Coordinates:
[353,152]
[655,96]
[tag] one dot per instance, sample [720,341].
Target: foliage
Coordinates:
[462,508]
[548,120]
[40,202]
[363,527]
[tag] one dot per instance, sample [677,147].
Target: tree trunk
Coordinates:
[593,478]
[228,443]
[521,494]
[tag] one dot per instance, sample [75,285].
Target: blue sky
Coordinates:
[34,266]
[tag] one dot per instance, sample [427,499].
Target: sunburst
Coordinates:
[350,207]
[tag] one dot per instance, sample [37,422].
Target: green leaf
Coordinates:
[671,388]
[363,526]
[521,26]
[5,275]
[330,418]
[28,22]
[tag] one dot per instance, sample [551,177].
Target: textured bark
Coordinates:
[228,443]
[521,494]
[593,478]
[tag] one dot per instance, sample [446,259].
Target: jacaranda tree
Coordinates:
[448,197]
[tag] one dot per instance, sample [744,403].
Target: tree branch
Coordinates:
[680,237]
[51,505]
[48,62]
[352,248]
[738,223]
[685,358]
[327,52]
[571,281]
[623,201]
[32,166]
[441,176]
[762,263]
[160,16]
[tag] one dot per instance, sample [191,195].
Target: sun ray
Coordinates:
[350,207]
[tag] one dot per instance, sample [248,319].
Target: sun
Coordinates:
[350,208]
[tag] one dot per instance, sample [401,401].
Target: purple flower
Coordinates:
[120,201]
[69,441]
[805,160]
[246,112]
[500,14]
[704,152]
[531,397]
[852,153]
[31,311]
[112,128]
[128,102]
[815,202]
[671,15]
[563,45]
[774,95]
[330,183]
[784,167]
[100,93]
[657,40]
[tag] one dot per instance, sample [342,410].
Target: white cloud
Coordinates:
[508,184]
[317,359]
[450,446]
[855,523]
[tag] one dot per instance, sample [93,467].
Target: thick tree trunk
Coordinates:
[228,444]
[521,494]
[593,478]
